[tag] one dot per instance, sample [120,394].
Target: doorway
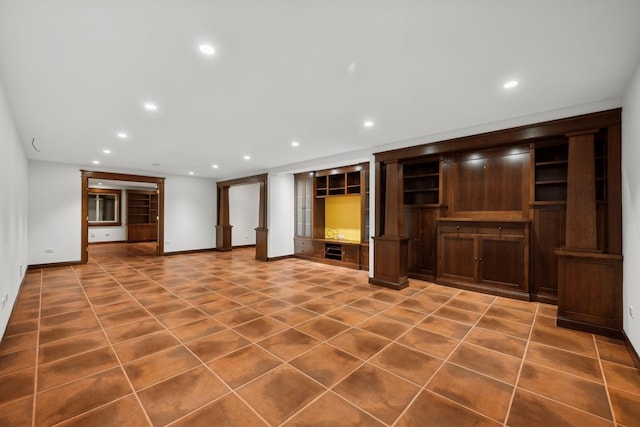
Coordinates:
[154,211]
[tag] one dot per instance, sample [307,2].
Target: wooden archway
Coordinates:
[86,175]
[223,229]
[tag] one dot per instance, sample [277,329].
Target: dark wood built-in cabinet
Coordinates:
[532,213]
[312,190]
[142,216]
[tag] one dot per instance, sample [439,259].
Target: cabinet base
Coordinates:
[589,327]
[391,285]
[508,293]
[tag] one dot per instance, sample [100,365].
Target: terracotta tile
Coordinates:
[349,315]
[294,315]
[547,310]
[242,366]
[17,328]
[428,342]
[124,317]
[250,298]
[61,403]
[403,315]
[228,411]
[390,297]
[576,342]
[173,398]
[326,364]
[331,410]
[342,297]
[529,409]
[104,310]
[320,305]
[476,297]
[488,362]
[626,407]
[615,353]
[270,306]
[506,327]
[565,361]
[370,305]
[125,411]
[260,328]
[430,409]
[280,393]
[17,361]
[181,317]
[576,392]
[220,306]
[18,413]
[296,297]
[530,307]
[197,329]
[160,366]
[465,303]
[322,328]
[201,298]
[238,317]
[379,393]
[443,290]
[68,324]
[360,343]
[513,315]
[384,327]
[410,364]
[445,327]
[17,385]
[145,345]
[622,377]
[18,342]
[133,330]
[69,369]
[473,390]
[52,310]
[215,345]
[498,342]
[289,344]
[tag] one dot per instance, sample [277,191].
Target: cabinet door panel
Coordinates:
[501,262]
[457,257]
[548,234]
[350,253]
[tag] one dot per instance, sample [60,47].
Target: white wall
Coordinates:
[631,208]
[55,209]
[13,212]
[280,215]
[244,201]
[189,213]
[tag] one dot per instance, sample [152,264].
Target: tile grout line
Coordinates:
[604,379]
[35,378]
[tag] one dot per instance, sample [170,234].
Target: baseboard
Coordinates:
[243,246]
[279,258]
[606,331]
[106,243]
[632,350]
[390,285]
[53,265]
[191,251]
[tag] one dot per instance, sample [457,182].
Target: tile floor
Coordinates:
[220,339]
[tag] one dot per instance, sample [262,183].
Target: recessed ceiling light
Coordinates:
[214,166]
[122,135]
[96,162]
[106,151]
[206,49]
[191,173]
[149,106]
[295,143]
[368,123]
[247,157]
[510,84]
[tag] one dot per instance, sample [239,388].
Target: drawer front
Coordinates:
[502,228]
[303,247]
[457,227]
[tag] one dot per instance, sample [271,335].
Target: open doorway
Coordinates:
[131,206]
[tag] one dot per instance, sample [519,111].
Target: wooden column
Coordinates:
[223,229]
[589,281]
[581,229]
[390,246]
[261,230]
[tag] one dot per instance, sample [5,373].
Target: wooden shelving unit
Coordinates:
[142,216]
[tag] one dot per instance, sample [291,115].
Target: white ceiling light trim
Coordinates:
[207,49]
[122,135]
[510,84]
[150,106]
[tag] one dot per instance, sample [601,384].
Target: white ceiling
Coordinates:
[76,72]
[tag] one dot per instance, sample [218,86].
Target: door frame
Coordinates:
[86,175]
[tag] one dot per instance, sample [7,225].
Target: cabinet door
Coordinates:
[350,254]
[303,247]
[457,257]
[420,226]
[501,262]
[548,235]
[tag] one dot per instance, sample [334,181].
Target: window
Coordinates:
[103,207]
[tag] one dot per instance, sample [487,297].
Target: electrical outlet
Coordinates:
[4,300]
[48,250]
[93,235]
[632,312]
[107,234]
[166,242]
[20,271]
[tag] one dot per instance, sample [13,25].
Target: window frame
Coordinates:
[105,191]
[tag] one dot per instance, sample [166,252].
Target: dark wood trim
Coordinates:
[191,251]
[53,265]
[224,227]
[614,184]
[242,246]
[521,134]
[591,328]
[281,257]
[86,175]
[632,350]
[106,243]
